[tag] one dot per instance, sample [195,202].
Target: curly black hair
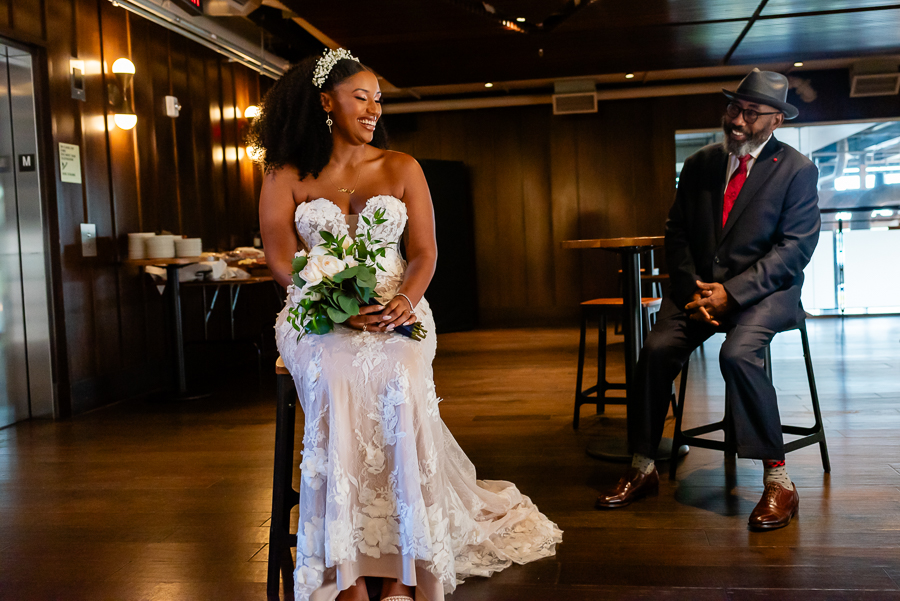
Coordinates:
[291,129]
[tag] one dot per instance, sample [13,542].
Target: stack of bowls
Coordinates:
[136,244]
[160,247]
[188,247]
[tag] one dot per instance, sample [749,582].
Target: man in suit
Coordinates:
[743,226]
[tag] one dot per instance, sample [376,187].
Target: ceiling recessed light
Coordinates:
[489,85]
[520,19]
[798,64]
[629,76]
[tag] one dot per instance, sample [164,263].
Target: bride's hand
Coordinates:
[368,320]
[398,312]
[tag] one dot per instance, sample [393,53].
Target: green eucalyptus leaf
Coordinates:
[298,281]
[320,324]
[337,316]
[298,264]
[349,305]
[340,276]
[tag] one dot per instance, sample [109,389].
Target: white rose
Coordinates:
[347,242]
[311,274]
[330,266]
[351,262]
[318,251]
[300,253]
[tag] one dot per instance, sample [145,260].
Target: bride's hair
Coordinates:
[291,129]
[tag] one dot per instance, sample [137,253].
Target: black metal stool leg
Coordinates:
[678,410]
[284,497]
[813,393]
[601,363]
[580,376]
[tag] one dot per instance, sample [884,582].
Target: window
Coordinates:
[856,265]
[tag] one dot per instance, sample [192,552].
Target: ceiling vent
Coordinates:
[230,8]
[874,78]
[568,104]
[574,96]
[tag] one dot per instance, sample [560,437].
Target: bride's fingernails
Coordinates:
[390,327]
[385,318]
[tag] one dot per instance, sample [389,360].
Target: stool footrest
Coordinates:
[703,429]
[804,442]
[606,400]
[800,431]
[703,443]
[593,389]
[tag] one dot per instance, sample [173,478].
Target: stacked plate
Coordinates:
[160,247]
[136,244]
[188,247]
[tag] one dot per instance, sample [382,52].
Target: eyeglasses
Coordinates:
[750,116]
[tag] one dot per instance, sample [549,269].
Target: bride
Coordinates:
[386,491]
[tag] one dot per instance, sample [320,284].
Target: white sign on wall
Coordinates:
[70,163]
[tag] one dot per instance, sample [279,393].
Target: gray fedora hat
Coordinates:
[765,87]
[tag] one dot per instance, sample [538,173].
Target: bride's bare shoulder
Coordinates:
[400,163]
[286,179]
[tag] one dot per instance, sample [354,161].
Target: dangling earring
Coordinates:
[329,122]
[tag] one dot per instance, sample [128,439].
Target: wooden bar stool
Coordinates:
[692,436]
[599,310]
[284,497]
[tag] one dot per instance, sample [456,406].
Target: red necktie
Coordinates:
[734,186]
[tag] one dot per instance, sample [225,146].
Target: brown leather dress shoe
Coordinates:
[631,487]
[776,507]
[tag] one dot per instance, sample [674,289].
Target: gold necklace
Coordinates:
[346,190]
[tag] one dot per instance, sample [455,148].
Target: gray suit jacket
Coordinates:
[760,253]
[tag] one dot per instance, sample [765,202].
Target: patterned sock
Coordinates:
[776,472]
[643,463]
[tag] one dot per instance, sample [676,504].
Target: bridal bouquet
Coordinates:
[336,278]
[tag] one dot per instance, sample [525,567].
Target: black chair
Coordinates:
[600,310]
[693,436]
[284,497]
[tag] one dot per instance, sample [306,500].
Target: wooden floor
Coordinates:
[153,500]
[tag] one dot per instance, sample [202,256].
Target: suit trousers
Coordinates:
[750,394]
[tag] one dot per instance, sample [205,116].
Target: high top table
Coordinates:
[172,266]
[630,250]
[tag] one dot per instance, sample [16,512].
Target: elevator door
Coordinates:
[26,380]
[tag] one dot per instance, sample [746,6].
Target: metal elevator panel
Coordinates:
[26,378]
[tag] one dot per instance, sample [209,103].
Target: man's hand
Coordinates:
[709,303]
[700,314]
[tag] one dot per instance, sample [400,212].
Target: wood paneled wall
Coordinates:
[183,175]
[540,179]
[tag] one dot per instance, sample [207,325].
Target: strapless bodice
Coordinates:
[320,214]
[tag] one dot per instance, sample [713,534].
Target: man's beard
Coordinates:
[741,148]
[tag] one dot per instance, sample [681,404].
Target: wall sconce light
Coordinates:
[251,112]
[120,94]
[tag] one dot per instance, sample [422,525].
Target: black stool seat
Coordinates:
[284,497]
[600,309]
[693,436]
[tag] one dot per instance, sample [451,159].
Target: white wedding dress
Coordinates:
[386,490]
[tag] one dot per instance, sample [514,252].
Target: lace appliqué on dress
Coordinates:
[381,474]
